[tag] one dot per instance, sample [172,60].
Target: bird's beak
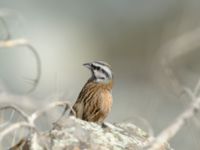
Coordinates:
[88,65]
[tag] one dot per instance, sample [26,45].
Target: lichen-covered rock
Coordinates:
[70,133]
[75,134]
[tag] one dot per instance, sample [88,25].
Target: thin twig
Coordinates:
[18,110]
[189,93]
[5,124]
[38,113]
[16,126]
[172,130]
[30,120]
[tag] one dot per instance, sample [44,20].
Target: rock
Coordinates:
[75,134]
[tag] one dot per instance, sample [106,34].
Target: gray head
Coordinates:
[101,71]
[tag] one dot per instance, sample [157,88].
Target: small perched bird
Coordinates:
[95,99]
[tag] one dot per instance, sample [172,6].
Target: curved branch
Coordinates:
[38,113]
[24,42]
[16,126]
[177,125]
[18,110]
[39,67]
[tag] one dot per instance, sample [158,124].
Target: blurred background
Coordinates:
[152,46]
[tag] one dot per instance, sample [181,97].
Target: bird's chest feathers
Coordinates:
[102,95]
[105,101]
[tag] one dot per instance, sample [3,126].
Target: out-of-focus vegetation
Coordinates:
[153,47]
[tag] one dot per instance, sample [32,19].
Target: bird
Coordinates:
[94,102]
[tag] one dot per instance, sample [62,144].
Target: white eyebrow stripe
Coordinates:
[101,63]
[105,68]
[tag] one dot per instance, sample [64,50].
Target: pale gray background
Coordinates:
[127,34]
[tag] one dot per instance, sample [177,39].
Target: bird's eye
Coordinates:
[98,68]
[92,66]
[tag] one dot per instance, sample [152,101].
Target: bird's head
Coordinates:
[101,71]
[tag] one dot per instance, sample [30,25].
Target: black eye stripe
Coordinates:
[102,70]
[93,66]
[98,68]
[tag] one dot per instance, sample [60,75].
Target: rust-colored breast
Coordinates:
[94,102]
[105,104]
